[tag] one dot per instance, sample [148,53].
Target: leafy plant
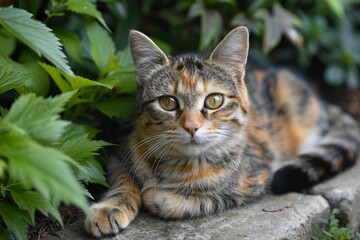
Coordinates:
[333,230]
[47,151]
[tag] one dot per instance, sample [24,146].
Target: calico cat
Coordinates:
[208,138]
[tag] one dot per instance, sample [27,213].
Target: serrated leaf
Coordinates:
[86,7]
[102,48]
[39,117]
[11,78]
[32,201]
[16,220]
[35,35]
[35,78]
[91,172]
[80,147]
[43,168]
[122,107]
[81,82]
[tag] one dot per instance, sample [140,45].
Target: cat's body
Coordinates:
[208,138]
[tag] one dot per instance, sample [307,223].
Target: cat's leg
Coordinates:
[244,188]
[338,149]
[118,208]
[169,204]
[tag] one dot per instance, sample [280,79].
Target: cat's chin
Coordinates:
[193,148]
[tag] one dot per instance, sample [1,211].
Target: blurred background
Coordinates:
[319,39]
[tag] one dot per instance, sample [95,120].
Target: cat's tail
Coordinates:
[338,149]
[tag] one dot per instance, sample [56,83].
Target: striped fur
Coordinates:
[223,140]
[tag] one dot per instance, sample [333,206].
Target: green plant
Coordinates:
[333,230]
[47,151]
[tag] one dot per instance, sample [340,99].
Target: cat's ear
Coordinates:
[233,49]
[145,53]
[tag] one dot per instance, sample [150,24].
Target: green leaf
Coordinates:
[123,107]
[120,82]
[81,82]
[124,56]
[32,201]
[39,117]
[16,220]
[3,167]
[35,78]
[38,82]
[86,7]
[72,45]
[43,168]
[68,82]
[211,24]
[62,84]
[91,172]
[35,35]
[11,78]
[8,43]
[336,7]
[80,147]
[102,48]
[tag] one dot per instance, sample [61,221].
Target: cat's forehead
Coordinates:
[196,73]
[189,62]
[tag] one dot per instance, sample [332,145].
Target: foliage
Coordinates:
[333,229]
[318,37]
[66,72]
[47,151]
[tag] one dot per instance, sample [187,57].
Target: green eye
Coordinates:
[214,101]
[168,103]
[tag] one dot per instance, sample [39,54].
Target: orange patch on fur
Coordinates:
[246,182]
[193,173]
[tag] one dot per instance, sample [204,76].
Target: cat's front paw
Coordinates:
[106,220]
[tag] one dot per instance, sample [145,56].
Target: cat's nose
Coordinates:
[191,126]
[191,121]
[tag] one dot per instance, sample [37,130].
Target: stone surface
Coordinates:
[346,184]
[291,216]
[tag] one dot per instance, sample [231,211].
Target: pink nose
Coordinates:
[191,126]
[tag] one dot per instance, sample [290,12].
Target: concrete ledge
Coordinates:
[290,216]
[346,184]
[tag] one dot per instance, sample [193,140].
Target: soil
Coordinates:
[46,226]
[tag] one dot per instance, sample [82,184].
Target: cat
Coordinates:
[210,138]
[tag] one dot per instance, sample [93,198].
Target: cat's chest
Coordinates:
[195,172]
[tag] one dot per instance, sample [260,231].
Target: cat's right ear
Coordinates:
[233,49]
[145,54]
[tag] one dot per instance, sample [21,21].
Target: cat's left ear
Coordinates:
[233,49]
[145,53]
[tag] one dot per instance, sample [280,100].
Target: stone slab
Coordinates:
[346,184]
[291,216]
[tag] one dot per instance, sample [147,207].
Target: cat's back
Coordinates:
[286,115]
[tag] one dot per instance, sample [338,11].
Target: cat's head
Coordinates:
[192,102]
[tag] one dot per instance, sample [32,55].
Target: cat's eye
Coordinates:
[168,103]
[214,101]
